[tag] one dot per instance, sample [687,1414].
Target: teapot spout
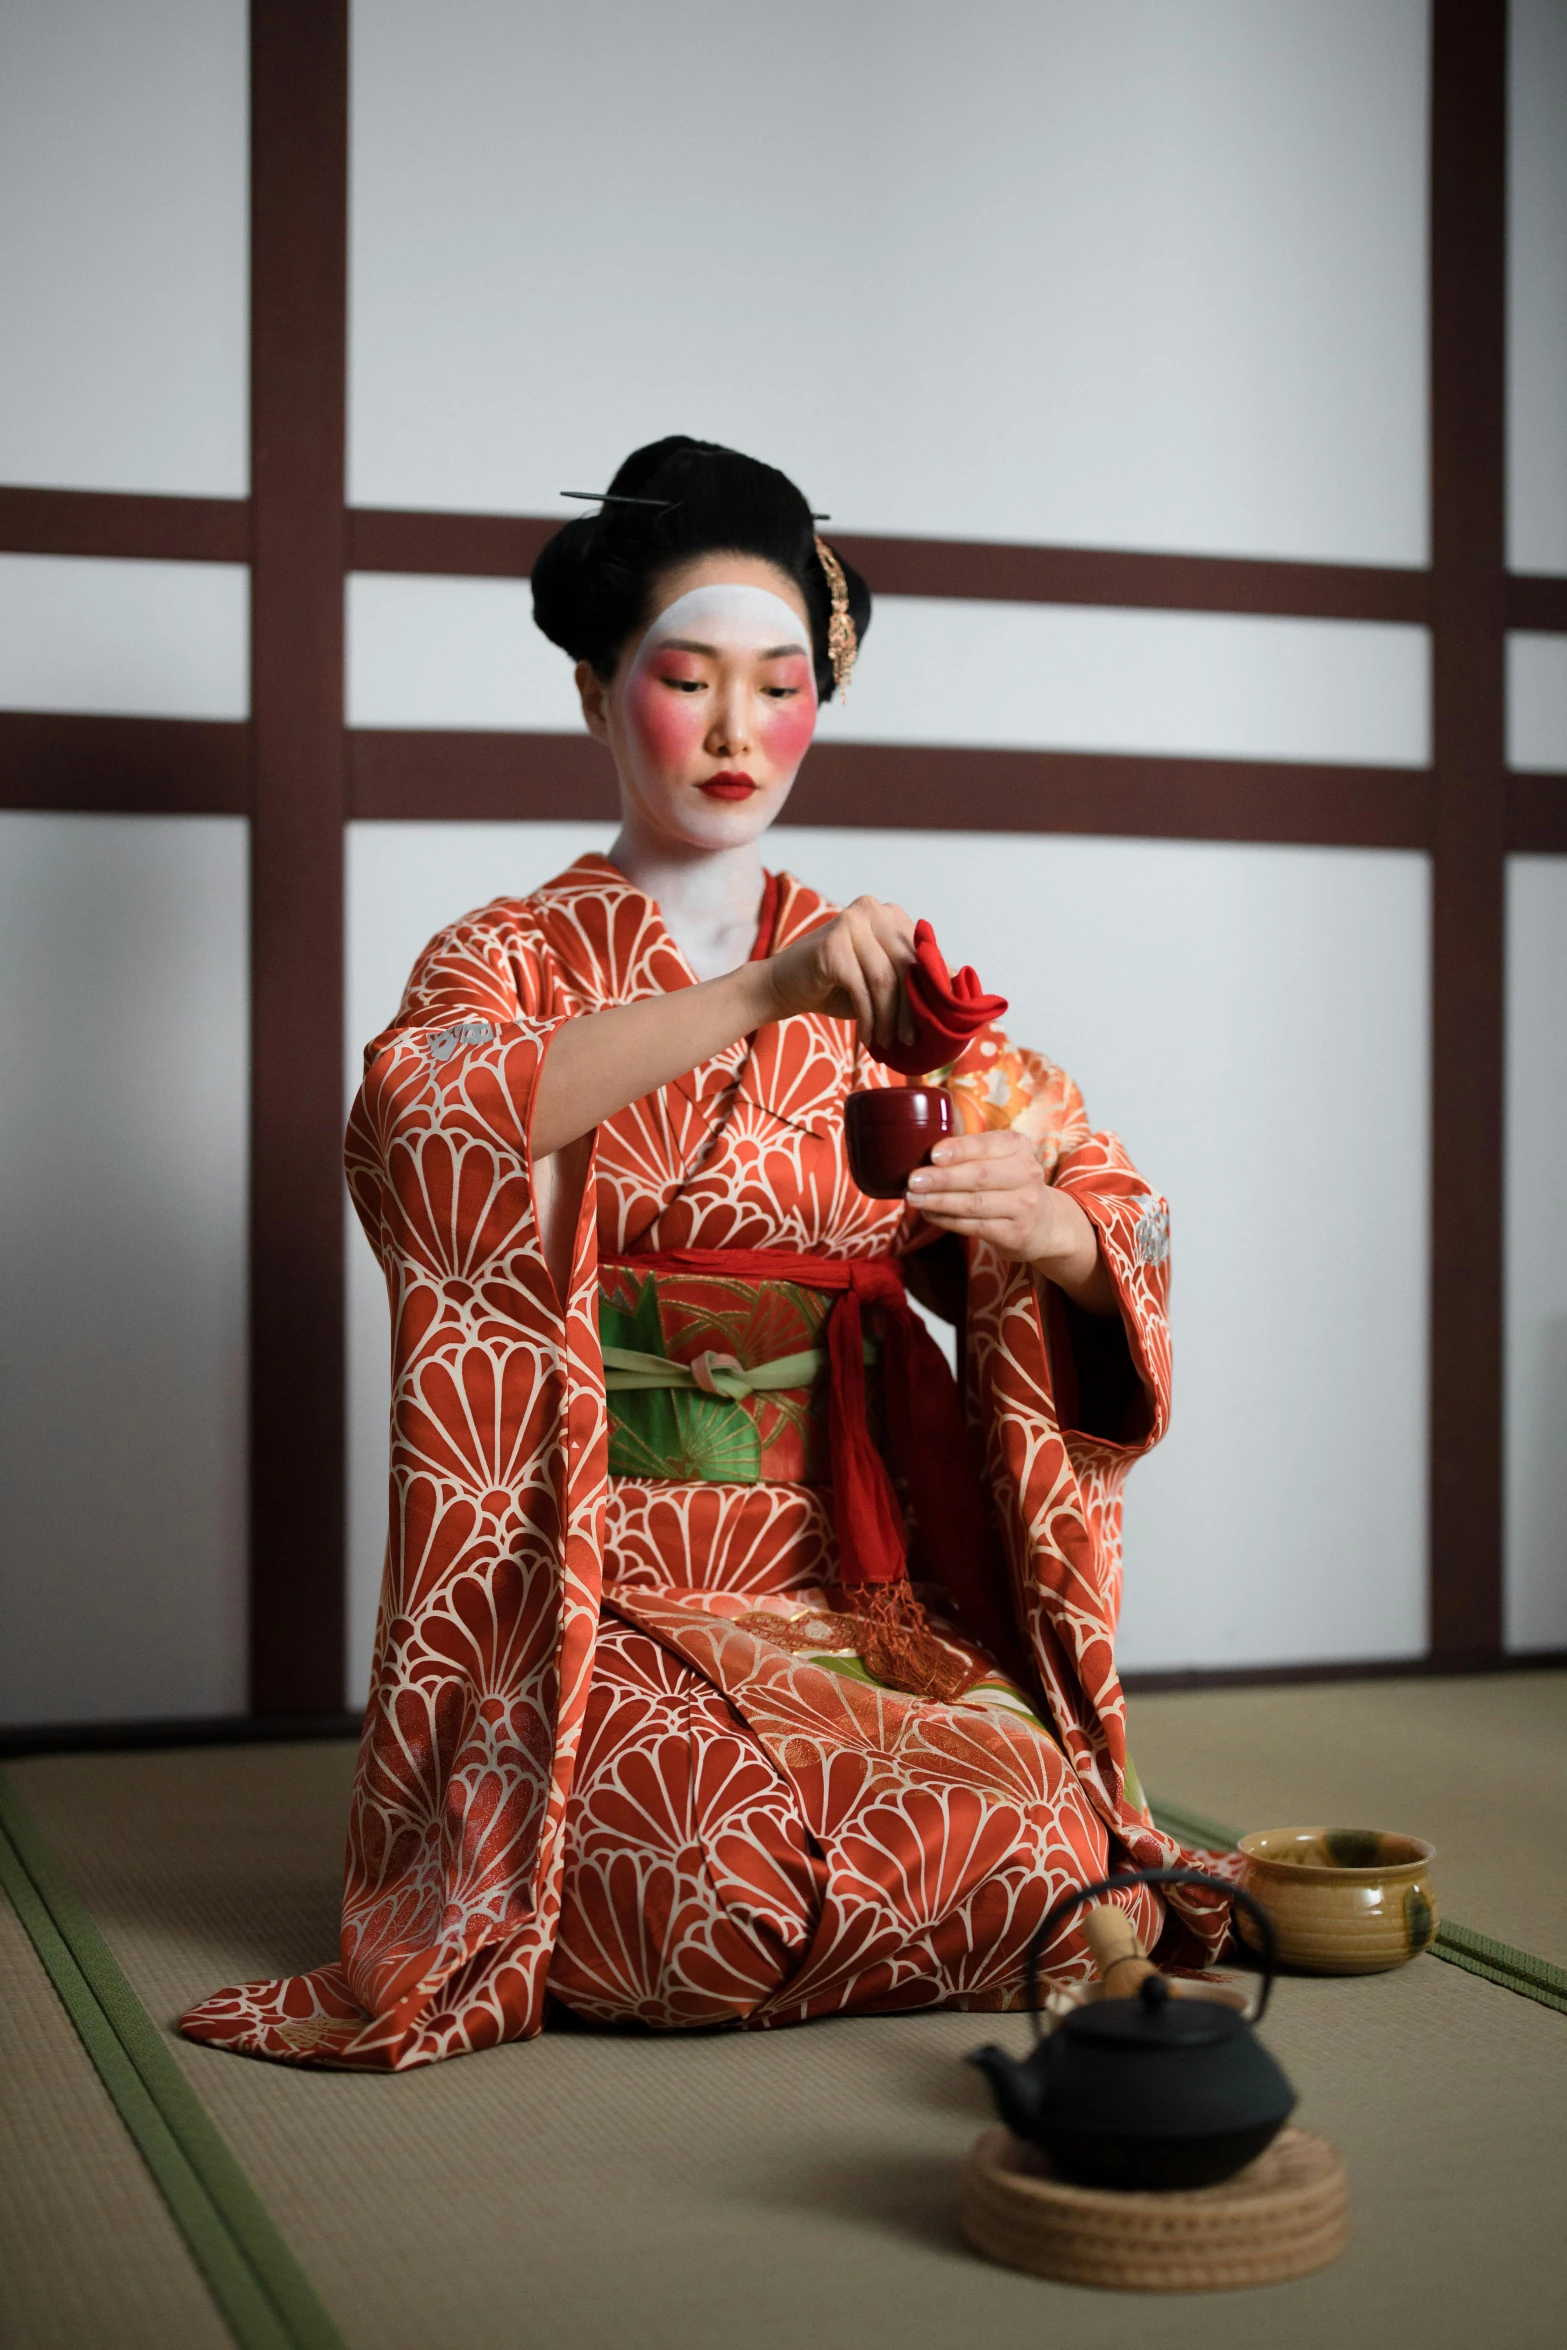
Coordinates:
[1014,2086]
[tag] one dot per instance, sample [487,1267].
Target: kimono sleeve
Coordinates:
[1111,1375]
[463,1056]
[495,1488]
[489,1599]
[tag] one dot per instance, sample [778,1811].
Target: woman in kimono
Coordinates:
[730,1668]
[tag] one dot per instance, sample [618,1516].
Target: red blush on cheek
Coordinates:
[668,727]
[787,732]
[787,727]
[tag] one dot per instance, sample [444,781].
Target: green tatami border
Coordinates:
[264,2296]
[1516,1970]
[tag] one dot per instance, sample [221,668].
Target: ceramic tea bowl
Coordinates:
[891,1131]
[1344,1901]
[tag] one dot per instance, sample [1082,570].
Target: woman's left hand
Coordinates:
[992,1187]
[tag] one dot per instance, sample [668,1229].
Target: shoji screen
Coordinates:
[1537,892]
[123,1012]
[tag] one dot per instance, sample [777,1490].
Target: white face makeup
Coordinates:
[731,620]
[714,710]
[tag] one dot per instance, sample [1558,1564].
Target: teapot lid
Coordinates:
[1152,2019]
[1192,2024]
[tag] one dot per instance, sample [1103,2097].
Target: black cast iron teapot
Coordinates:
[1151,2091]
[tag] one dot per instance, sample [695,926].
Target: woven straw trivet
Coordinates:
[1284,2215]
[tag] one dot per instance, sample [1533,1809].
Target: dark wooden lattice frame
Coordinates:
[300,775]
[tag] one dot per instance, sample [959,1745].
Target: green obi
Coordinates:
[715,1379]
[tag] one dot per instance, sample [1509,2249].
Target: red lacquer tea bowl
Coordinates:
[891,1131]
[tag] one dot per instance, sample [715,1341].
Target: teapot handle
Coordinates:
[1232,1893]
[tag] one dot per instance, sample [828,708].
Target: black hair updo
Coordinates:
[593,581]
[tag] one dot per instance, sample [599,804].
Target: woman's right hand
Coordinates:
[599,1062]
[852,969]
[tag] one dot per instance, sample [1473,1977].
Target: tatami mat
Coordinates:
[1476,1765]
[89,2256]
[797,2191]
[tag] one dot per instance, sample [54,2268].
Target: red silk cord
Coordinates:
[926,1423]
[949,1008]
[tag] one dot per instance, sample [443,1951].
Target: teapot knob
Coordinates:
[1154,1992]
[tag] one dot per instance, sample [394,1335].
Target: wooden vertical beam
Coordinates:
[1468,341]
[298,244]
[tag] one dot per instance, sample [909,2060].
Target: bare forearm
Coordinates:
[851,968]
[603,1061]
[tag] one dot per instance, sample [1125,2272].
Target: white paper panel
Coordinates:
[1048,677]
[1254,1023]
[453,652]
[137,639]
[1537,699]
[443,652]
[1150,273]
[1537,286]
[123,1027]
[123,227]
[1536,1614]
[404,883]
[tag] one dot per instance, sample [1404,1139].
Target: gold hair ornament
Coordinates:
[842,643]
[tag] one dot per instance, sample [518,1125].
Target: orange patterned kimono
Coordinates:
[617,1749]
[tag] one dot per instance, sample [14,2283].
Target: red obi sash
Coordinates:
[930,1440]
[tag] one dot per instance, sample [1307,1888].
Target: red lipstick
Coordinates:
[732,785]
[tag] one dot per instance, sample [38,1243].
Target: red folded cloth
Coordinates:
[949,1008]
